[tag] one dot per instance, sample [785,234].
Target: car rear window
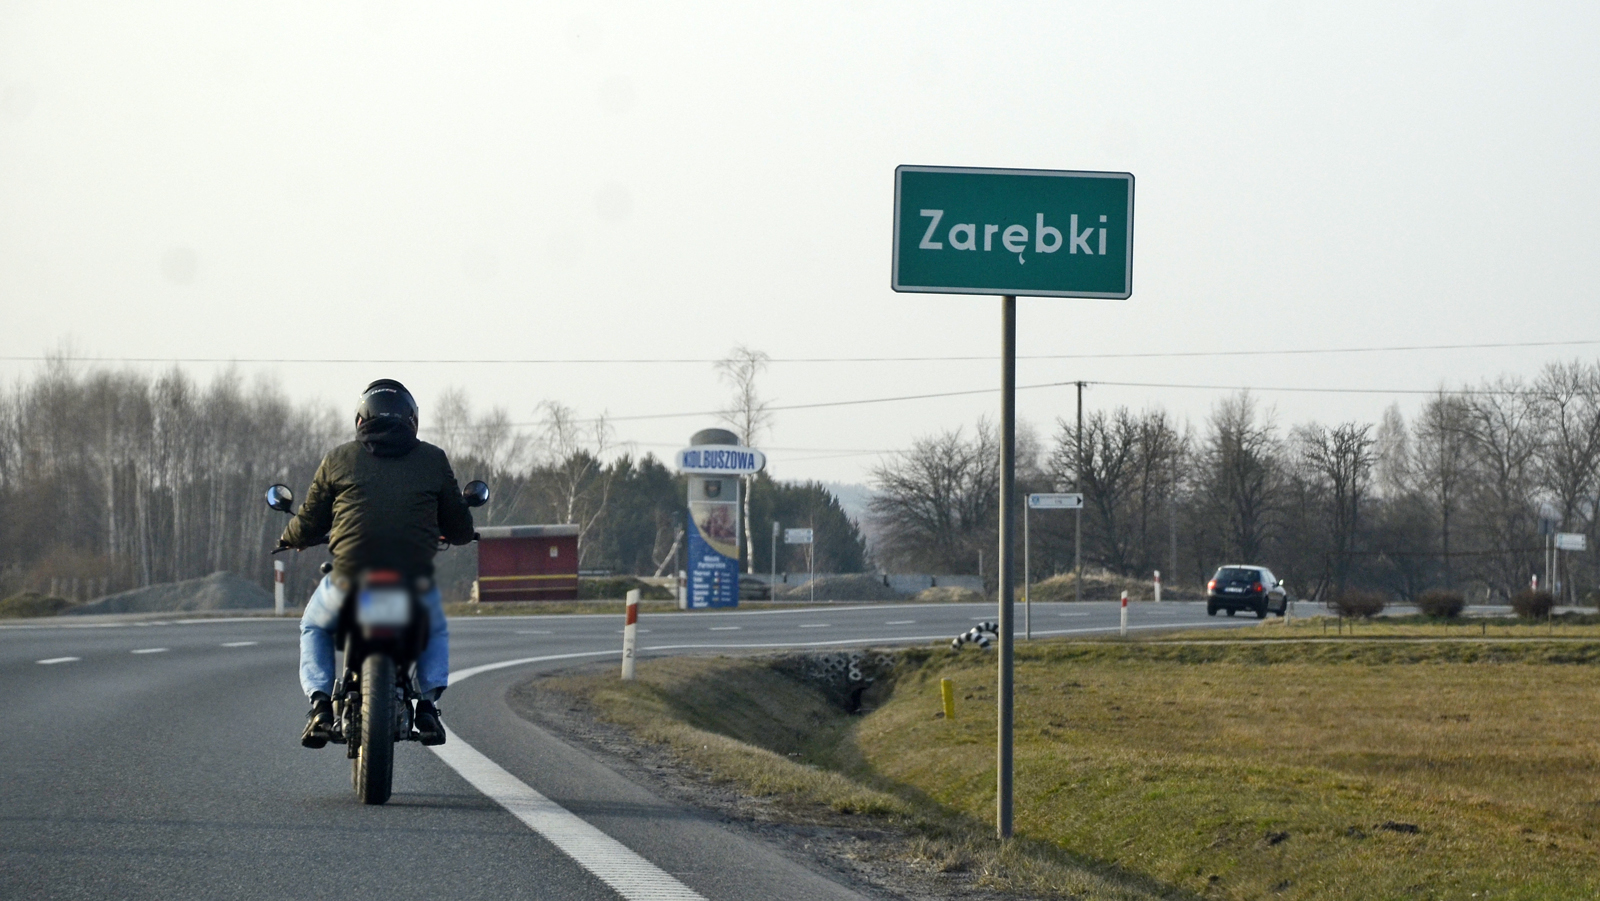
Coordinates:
[1238,574]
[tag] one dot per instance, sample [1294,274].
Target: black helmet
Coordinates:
[387,398]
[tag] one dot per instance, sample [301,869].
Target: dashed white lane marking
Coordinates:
[814,625]
[52,660]
[725,628]
[612,862]
[1072,614]
[534,632]
[149,651]
[239,644]
[901,622]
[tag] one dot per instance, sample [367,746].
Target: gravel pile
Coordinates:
[218,591]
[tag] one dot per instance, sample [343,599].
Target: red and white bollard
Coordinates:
[1158,586]
[630,634]
[277,588]
[1124,614]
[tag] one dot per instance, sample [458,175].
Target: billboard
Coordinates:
[713,532]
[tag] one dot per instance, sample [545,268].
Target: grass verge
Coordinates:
[790,747]
[1148,769]
[1569,626]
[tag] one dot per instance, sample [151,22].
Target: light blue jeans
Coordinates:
[321,619]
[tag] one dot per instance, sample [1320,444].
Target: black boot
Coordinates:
[319,722]
[430,730]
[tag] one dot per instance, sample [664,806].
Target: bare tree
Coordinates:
[1505,444]
[1442,464]
[936,504]
[577,481]
[748,415]
[1240,477]
[1570,463]
[1341,460]
[1104,468]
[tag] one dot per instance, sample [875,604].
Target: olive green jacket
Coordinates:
[385,512]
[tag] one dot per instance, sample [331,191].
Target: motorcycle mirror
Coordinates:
[280,498]
[476,494]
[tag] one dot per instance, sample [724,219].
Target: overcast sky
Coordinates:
[617,180]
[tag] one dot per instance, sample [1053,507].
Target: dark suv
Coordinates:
[1236,587]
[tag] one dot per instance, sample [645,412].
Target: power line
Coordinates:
[635,361]
[905,397]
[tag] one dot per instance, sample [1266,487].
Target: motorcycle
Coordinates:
[382,630]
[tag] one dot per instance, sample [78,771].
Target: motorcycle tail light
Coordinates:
[383,577]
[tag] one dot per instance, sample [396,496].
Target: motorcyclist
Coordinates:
[380,501]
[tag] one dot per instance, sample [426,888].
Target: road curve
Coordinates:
[161,760]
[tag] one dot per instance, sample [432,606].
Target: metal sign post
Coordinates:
[806,537]
[772,590]
[1039,502]
[1011,232]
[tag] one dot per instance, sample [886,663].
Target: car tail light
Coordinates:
[1211,585]
[1258,587]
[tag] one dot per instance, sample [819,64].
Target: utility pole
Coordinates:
[1077,515]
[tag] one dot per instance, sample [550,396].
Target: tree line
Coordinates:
[1462,496]
[112,480]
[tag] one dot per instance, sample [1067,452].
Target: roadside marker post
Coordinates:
[1011,232]
[947,692]
[1158,586]
[277,588]
[630,635]
[1124,614]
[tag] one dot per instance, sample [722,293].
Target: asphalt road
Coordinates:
[161,760]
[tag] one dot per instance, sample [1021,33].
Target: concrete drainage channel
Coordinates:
[844,676]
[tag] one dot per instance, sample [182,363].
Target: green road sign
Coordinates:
[1037,232]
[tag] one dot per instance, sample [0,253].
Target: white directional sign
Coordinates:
[1055,501]
[797,536]
[1572,541]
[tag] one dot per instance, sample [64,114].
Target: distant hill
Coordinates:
[218,591]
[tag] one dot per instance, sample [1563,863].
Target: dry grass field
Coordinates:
[1237,769]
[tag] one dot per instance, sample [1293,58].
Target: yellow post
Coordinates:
[947,691]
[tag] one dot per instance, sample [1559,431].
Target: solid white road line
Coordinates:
[814,625]
[612,862]
[534,632]
[725,628]
[149,651]
[58,660]
[239,644]
[901,622]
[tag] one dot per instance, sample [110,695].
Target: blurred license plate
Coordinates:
[384,607]
[1234,590]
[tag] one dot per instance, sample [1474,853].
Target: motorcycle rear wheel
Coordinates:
[374,763]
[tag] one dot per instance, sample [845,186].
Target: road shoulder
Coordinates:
[859,851]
